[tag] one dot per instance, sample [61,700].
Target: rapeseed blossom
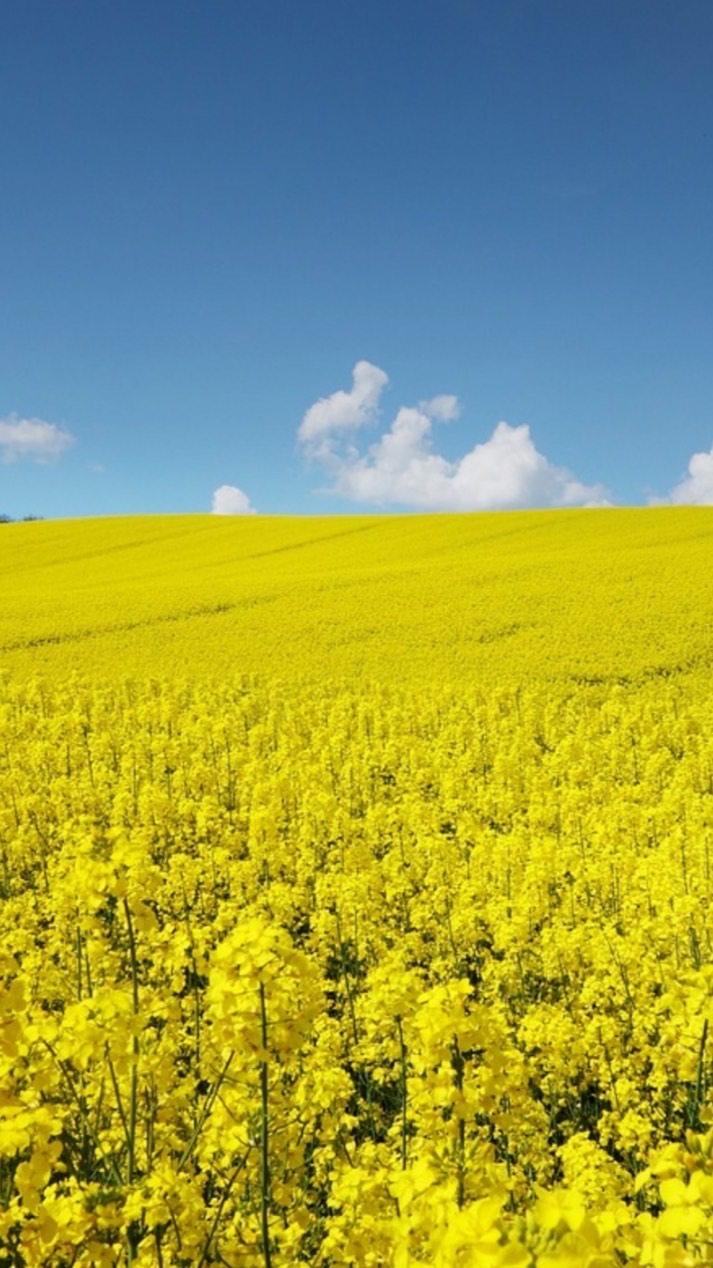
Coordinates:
[356,968]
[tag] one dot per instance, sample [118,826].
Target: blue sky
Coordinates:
[499,211]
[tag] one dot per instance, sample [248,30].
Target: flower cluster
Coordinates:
[300,973]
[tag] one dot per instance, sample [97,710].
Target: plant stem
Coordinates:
[404,1102]
[219,1211]
[458,1069]
[207,1107]
[134,1232]
[347,981]
[135,1046]
[700,1075]
[264,1139]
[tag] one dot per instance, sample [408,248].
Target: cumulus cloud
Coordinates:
[343,411]
[401,467]
[229,500]
[442,408]
[696,488]
[33,439]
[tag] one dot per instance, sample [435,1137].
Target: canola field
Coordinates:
[355,891]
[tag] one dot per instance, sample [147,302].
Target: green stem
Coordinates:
[404,1101]
[79,962]
[84,1121]
[134,1233]
[207,1107]
[219,1212]
[133,1101]
[347,981]
[264,1139]
[700,1073]
[458,1069]
[194,975]
[117,1094]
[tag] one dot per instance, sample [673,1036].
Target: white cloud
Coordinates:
[32,438]
[228,500]
[504,472]
[343,411]
[443,408]
[696,488]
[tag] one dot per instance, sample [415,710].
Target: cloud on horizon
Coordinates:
[32,439]
[696,488]
[505,472]
[229,500]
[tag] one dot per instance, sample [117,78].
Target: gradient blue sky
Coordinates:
[213,209]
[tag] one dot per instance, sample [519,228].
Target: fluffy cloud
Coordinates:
[696,488]
[343,411]
[504,472]
[228,500]
[32,438]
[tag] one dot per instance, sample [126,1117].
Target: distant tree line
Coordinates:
[26,519]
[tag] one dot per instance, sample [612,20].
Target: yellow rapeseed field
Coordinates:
[356,891]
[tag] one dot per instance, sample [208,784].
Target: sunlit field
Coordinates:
[355,891]
[477,599]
